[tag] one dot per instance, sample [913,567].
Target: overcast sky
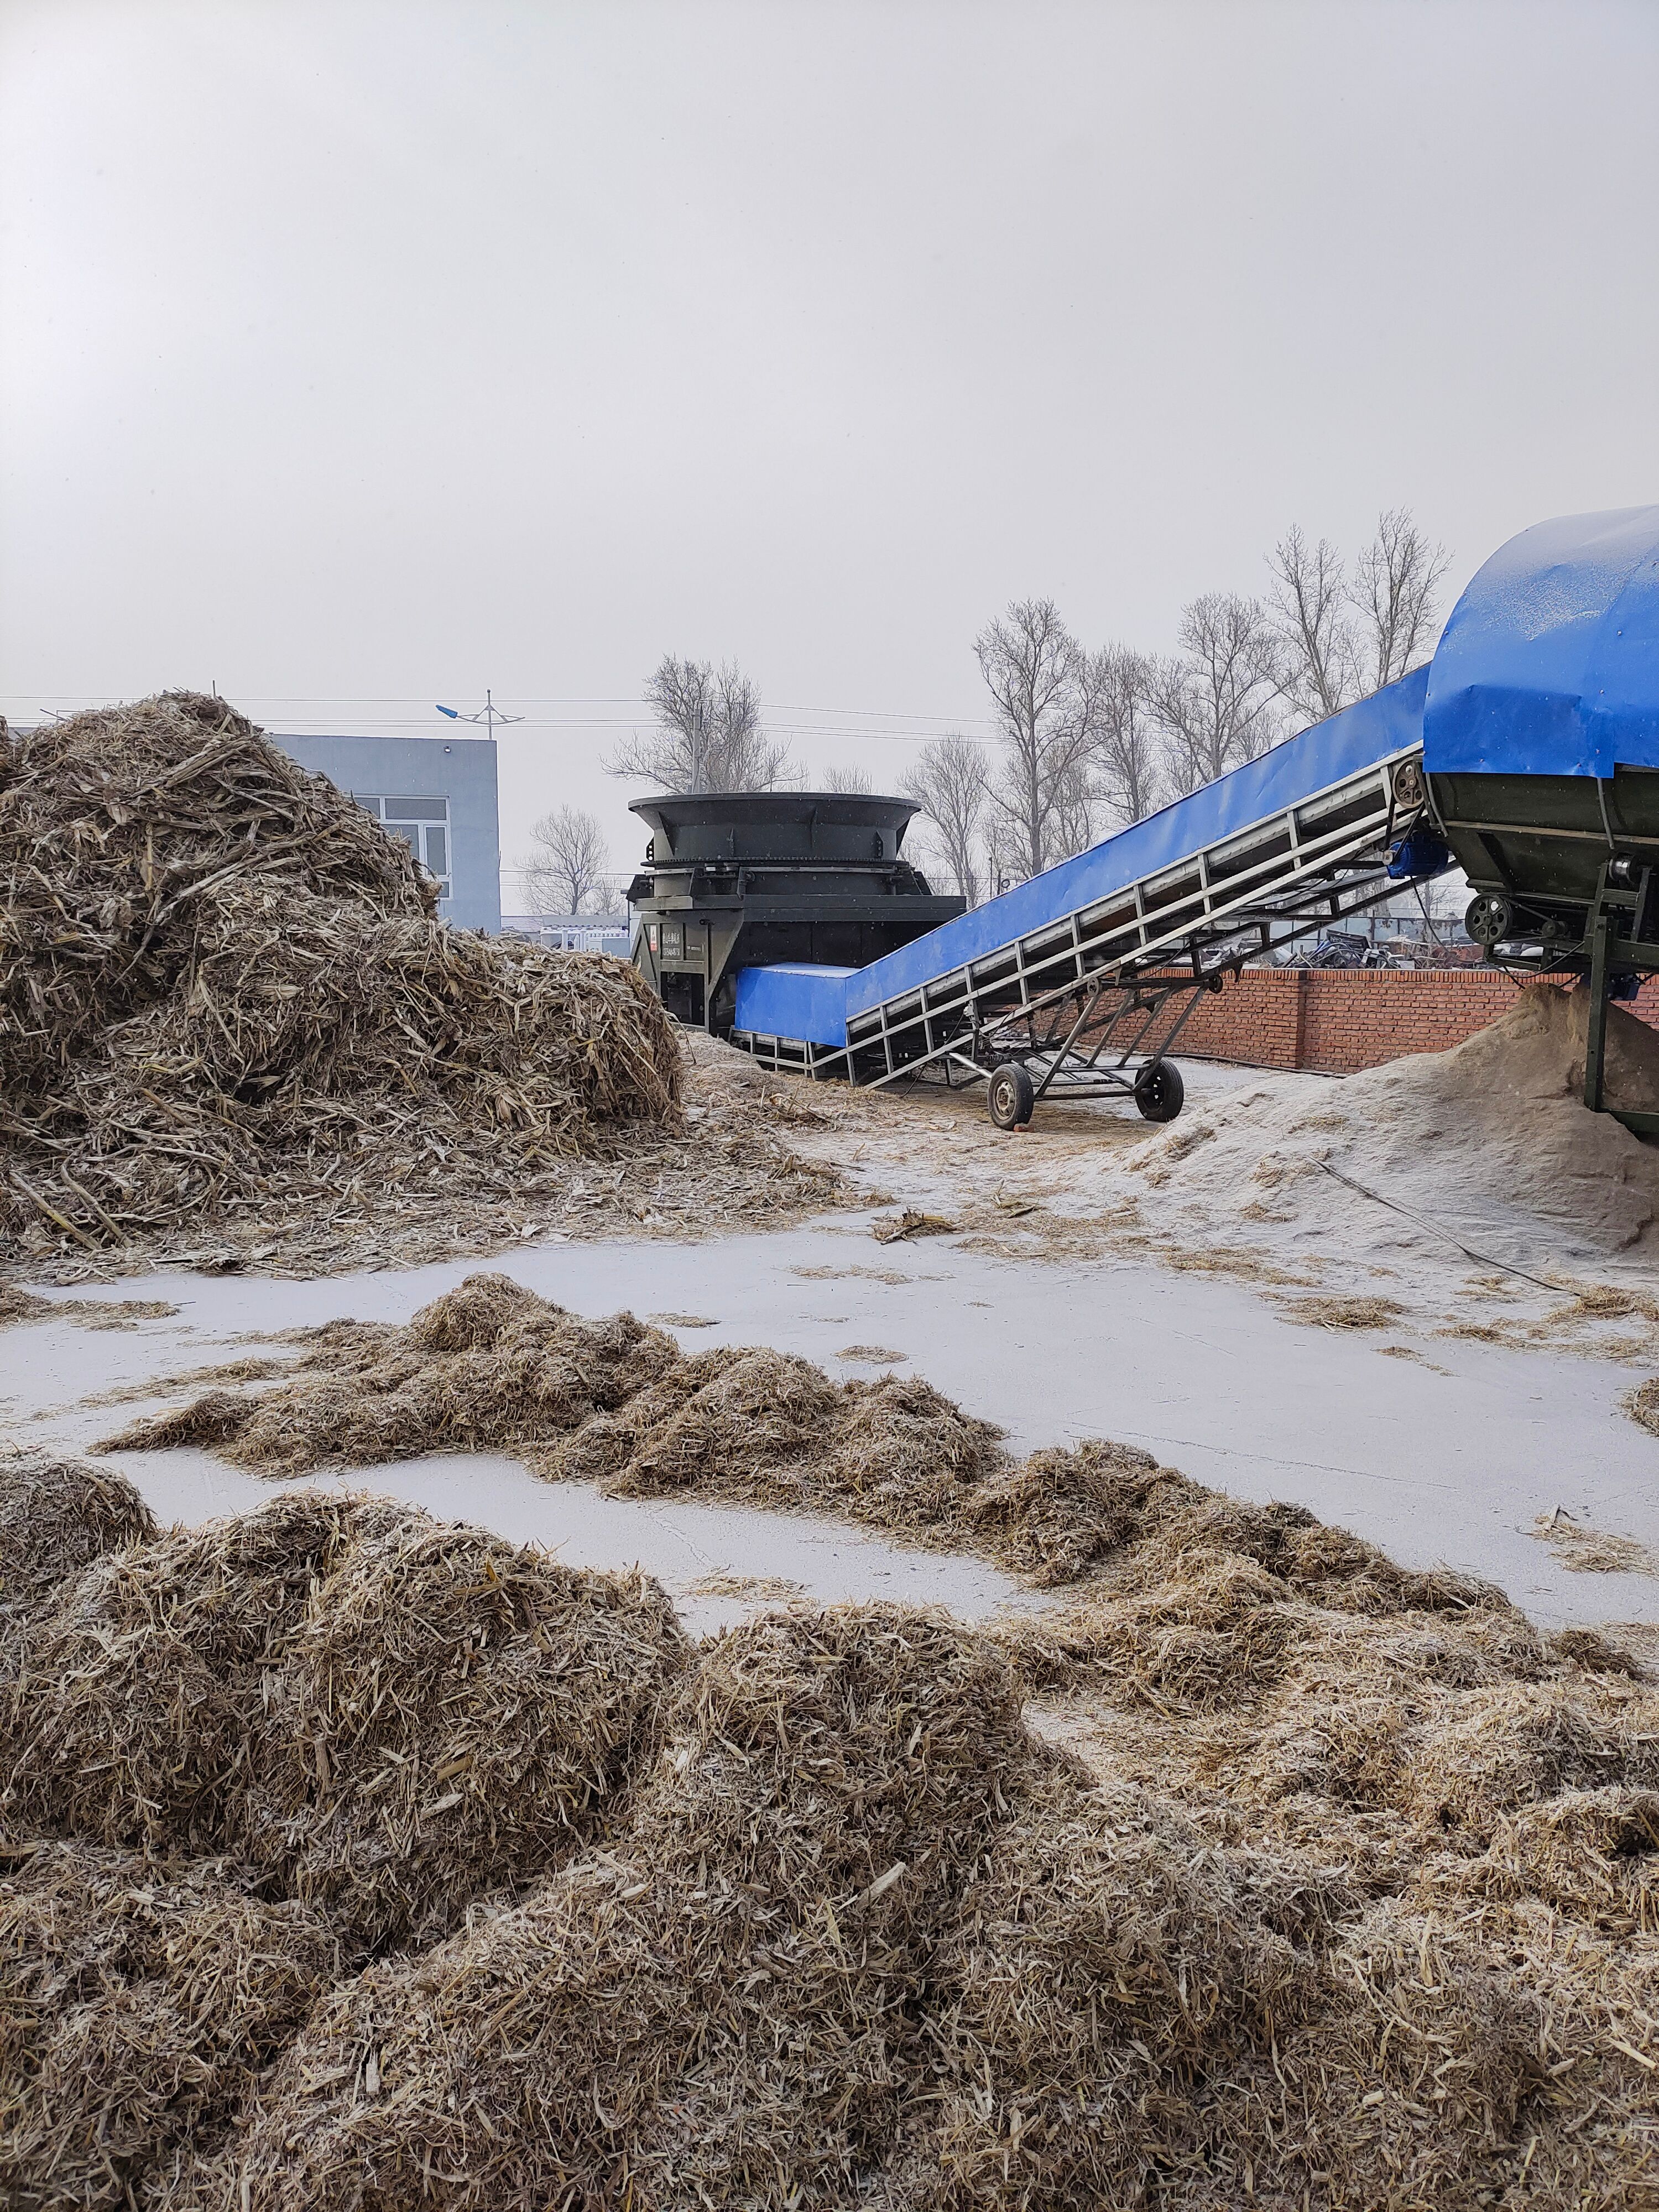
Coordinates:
[358,356]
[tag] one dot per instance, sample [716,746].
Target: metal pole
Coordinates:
[1595,1037]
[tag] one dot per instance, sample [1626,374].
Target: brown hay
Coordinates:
[1361,1913]
[1585,1551]
[135,2014]
[56,1516]
[1342,1312]
[384,1716]
[861,1941]
[20,1305]
[223,996]
[1373,1921]
[728,2006]
[1643,1405]
[899,1228]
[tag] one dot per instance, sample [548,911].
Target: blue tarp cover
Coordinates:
[813,1003]
[793,1000]
[1550,663]
[1293,771]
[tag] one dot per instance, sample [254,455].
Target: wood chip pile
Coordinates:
[1355,1903]
[224,999]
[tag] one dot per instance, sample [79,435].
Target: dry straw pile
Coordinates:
[1355,1904]
[380,1715]
[224,999]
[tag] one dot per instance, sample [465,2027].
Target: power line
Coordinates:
[943,722]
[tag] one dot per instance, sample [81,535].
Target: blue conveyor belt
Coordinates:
[1549,666]
[815,1004]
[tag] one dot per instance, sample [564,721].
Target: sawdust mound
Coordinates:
[135,2014]
[223,995]
[1490,1142]
[385,1718]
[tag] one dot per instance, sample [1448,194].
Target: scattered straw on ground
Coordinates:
[899,1228]
[233,1033]
[1353,1900]
[492,1366]
[1342,1312]
[20,1305]
[1587,1550]
[1643,1405]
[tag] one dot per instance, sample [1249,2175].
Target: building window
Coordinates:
[423,825]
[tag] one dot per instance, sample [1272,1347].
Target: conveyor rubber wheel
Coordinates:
[1159,1090]
[1010,1096]
[1489,919]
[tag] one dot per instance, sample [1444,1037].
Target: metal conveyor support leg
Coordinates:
[1595,1039]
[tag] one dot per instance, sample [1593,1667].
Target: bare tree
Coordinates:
[1034,668]
[1124,741]
[837,778]
[948,786]
[1398,576]
[568,862]
[1215,702]
[1308,602]
[708,735]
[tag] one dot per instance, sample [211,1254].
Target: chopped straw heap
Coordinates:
[224,998]
[381,1716]
[1356,1903]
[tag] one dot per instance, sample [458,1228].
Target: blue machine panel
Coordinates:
[1550,663]
[1387,723]
[793,1000]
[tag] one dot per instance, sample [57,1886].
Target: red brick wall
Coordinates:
[1337,1020]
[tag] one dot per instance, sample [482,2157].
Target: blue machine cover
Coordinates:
[1550,663]
[814,1003]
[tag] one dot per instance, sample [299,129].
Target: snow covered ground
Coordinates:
[1447,1454]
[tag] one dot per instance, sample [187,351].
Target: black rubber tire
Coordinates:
[1489,919]
[1010,1096]
[1159,1090]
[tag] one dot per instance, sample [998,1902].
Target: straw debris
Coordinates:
[491,1366]
[137,2014]
[56,1516]
[383,1717]
[231,1028]
[1355,1903]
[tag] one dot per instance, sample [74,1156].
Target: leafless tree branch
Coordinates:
[948,785]
[1033,667]
[1399,574]
[568,864]
[837,778]
[707,734]
[1318,658]
[1215,702]
[1124,733]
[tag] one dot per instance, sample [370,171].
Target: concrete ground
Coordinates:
[1450,1461]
